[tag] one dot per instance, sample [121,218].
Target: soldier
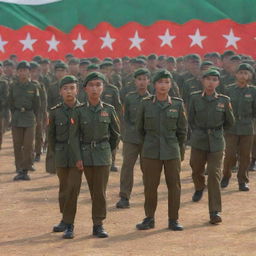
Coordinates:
[96,132]
[162,125]
[209,114]
[239,137]
[73,67]
[131,139]
[24,103]
[116,78]
[70,177]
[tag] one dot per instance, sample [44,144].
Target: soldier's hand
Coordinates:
[79,165]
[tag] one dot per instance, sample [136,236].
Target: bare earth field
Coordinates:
[29,209]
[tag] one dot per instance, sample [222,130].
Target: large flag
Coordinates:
[116,28]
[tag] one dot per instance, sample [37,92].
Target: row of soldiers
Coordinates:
[126,82]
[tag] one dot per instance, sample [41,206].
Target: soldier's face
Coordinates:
[163,85]
[69,92]
[73,68]
[35,73]
[210,82]
[243,76]
[23,73]
[94,88]
[142,82]
[60,73]
[83,70]
[106,71]
[9,70]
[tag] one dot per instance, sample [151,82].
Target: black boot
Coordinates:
[69,232]
[243,187]
[113,168]
[252,166]
[99,231]
[224,182]
[22,175]
[147,223]
[61,227]
[123,203]
[197,195]
[37,158]
[175,226]
[215,218]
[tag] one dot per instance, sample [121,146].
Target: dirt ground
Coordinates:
[29,209]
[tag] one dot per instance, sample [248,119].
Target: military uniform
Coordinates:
[208,116]
[53,95]
[96,132]
[162,127]
[3,105]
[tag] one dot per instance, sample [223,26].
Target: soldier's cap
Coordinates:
[23,65]
[193,56]
[95,60]
[125,58]
[13,56]
[141,71]
[108,59]
[162,74]
[94,76]
[245,66]
[45,61]
[84,62]
[105,64]
[37,59]
[8,63]
[152,56]
[171,59]
[206,63]
[117,60]
[68,80]
[69,55]
[179,59]
[161,57]
[227,53]
[235,58]
[140,61]
[93,67]
[215,55]
[60,65]
[133,61]
[250,62]
[211,72]
[143,57]
[207,55]
[74,61]
[34,65]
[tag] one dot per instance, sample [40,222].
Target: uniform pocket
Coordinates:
[149,121]
[172,116]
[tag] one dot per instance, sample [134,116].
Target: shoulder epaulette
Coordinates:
[78,105]
[57,106]
[177,98]
[148,97]
[223,96]
[189,79]
[107,105]
[130,93]
[196,92]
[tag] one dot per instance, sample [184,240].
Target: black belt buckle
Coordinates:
[93,144]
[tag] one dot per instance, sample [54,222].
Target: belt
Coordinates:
[94,143]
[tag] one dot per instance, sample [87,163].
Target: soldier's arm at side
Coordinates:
[229,115]
[51,131]
[36,102]
[191,113]
[140,121]
[114,130]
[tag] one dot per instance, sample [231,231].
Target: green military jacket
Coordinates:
[43,99]
[162,127]
[4,91]
[60,120]
[208,115]
[24,103]
[53,95]
[116,80]
[227,79]
[94,134]
[243,102]
[131,105]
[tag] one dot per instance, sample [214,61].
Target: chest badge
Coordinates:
[104,113]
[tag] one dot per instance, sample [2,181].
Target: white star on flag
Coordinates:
[53,43]
[197,39]
[136,41]
[28,43]
[166,38]
[79,43]
[2,44]
[107,41]
[231,39]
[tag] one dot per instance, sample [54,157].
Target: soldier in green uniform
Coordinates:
[24,102]
[239,138]
[131,139]
[116,76]
[73,67]
[162,125]
[60,121]
[209,114]
[96,132]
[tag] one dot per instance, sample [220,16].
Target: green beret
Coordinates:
[207,55]
[162,74]
[108,59]
[68,80]
[93,67]
[37,59]
[60,65]
[180,59]
[152,57]
[74,61]
[125,58]
[69,55]
[140,61]
[227,53]
[84,62]
[23,65]
[45,61]
[170,60]
[95,60]
[34,65]
[215,55]
[245,66]
[8,63]
[192,57]
[94,76]
[206,63]
[235,58]
[106,64]
[161,57]
[211,72]
[117,60]
[142,57]
[133,61]
[141,71]
[13,56]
